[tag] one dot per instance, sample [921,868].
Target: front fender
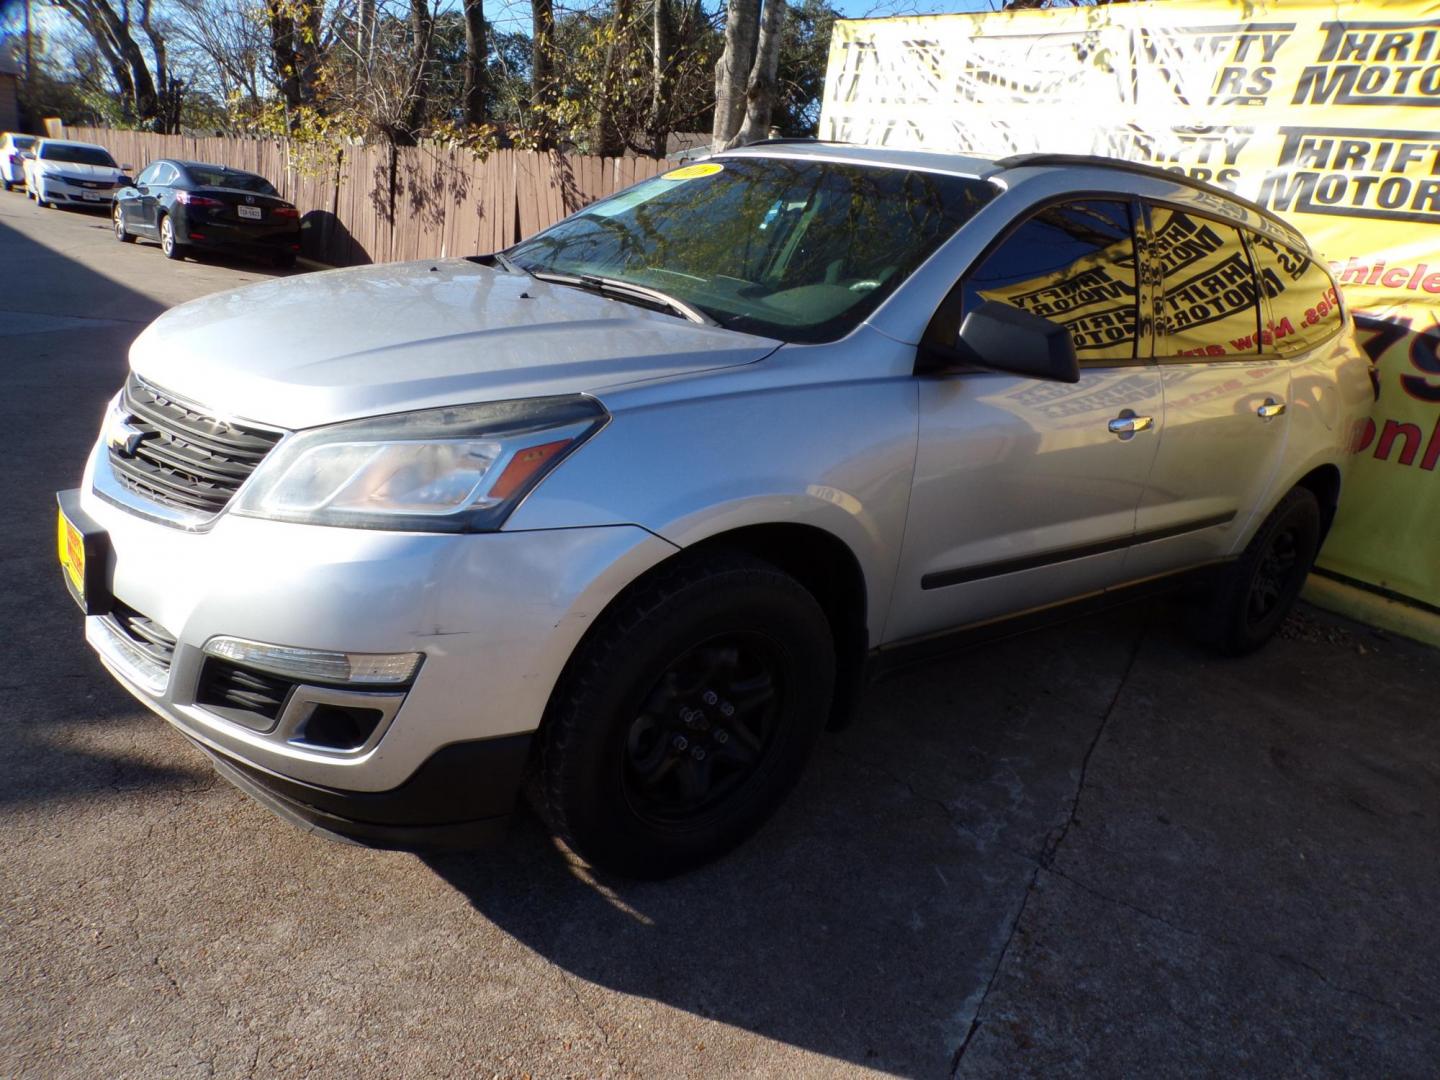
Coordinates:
[836,456]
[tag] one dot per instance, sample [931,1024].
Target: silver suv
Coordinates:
[636,507]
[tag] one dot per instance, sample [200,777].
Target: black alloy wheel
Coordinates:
[685,716]
[1274,575]
[1257,591]
[704,729]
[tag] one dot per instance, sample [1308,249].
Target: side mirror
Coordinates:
[998,337]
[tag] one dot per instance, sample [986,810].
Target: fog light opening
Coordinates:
[338,727]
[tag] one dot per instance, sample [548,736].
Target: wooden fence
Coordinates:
[384,204]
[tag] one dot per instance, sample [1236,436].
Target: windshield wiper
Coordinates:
[508,264]
[627,291]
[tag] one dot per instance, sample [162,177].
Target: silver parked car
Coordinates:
[634,508]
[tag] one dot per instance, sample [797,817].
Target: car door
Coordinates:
[132,202]
[154,194]
[1225,393]
[1025,491]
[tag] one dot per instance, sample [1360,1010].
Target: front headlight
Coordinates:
[456,469]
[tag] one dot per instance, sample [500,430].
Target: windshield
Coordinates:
[210,176]
[797,250]
[77,155]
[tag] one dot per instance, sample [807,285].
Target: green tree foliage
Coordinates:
[626,73]
[804,52]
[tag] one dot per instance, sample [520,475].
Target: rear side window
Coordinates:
[23,142]
[1304,305]
[1074,264]
[1209,303]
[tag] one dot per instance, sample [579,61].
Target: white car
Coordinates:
[64,173]
[12,163]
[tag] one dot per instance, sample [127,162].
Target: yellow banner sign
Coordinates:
[1324,113]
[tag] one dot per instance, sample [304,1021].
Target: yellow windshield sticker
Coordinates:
[693,172]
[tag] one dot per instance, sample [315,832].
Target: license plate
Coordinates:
[72,555]
[252,212]
[83,549]
[93,196]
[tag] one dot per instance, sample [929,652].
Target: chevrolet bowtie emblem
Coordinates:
[120,436]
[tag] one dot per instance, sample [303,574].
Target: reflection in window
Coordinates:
[799,250]
[216,176]
[1074,265]
[1304,307]
[1209,303]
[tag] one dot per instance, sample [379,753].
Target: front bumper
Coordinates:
[496,616]
[61,191]
[459,799]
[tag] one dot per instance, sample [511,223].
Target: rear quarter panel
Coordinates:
[1330,398]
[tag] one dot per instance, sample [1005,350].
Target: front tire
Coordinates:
[121,233]
[172,248]
[1257,592]
[685,716]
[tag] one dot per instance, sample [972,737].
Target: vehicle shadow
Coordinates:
[324,237]
[62,720]
[865,921]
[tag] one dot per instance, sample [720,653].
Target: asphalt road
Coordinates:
[1094,851]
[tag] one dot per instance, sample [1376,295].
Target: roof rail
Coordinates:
[790,139]
[1020,161]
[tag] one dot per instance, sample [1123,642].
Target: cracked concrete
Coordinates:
[1094,851]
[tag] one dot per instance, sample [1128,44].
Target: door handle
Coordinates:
[1270,409]
[1127,424]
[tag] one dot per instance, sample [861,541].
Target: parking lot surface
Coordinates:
[1092,851]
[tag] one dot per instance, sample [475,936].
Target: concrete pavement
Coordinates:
[1094,851]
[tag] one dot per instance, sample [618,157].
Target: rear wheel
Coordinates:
[686,716]
[285,260]
[1258,591]
[172,248]
[9,185]
[121,233]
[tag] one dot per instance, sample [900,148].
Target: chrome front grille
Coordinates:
[184,457]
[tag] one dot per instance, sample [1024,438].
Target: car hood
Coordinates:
[81,172]
[319,348]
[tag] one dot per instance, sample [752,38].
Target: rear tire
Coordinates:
[9,185]
[685,717]
[285,260]
[172,248]
[1256,593]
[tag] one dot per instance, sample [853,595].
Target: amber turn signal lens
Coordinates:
[525,464]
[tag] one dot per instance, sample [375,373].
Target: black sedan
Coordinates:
[187,205]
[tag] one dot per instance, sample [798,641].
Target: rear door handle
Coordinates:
[1270,409]
[1127,424]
